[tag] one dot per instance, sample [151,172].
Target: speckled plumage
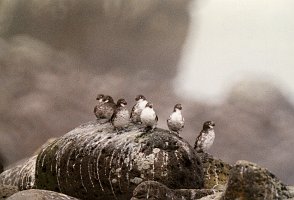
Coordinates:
[206,137]
[121,116]
[105,109]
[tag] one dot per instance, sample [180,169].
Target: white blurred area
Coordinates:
[231,40]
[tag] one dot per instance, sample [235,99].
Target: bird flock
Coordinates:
[144,114]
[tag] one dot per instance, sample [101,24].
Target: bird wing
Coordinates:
[133,110]
[197,139]
[156,118]
[116,110]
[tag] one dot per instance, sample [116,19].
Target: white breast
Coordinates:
[209,139]
[148,116]
[141,104]
[176,117]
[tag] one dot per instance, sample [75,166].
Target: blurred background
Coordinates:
[227,61]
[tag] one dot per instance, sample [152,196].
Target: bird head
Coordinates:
[178,107]
[149,105]
[100,97]
[140,96]
[108,99]
[121,103]
[208,125]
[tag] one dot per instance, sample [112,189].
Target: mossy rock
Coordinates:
[216,171]
[249,181]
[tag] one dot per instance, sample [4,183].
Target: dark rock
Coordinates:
[1,166]
[21,176]
[7,190]
[154,190]
[94,162]
[250,181]
[216,171]
[34,194]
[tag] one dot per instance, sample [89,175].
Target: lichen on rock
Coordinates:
[95,162]
[249,181]
[216,171]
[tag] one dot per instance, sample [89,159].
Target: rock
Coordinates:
[22,175]
[94,162]
[154,190]
[1,164]
[216,172]
[34,194]
[1,167]
[250,181]
[215,196]
[7,190]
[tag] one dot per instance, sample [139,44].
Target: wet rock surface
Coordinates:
[95,162]
[249,181]
[34,194]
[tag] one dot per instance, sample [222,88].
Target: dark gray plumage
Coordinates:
[206,137]
[106,109]
[121,116]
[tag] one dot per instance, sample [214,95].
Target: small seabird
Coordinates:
[99,98]
[206,137]
[137,108]
[148,117]
[106,109]
[121,116]
[175,122]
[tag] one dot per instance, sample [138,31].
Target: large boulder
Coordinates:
[216,171]
[22,176]
[249,181]
[7,190]
[34,194]
[95,162]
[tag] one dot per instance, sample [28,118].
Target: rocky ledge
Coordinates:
[95,162]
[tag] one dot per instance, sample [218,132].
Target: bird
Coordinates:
[99,98]
[206,137]
[106,109]
[137,108]
[175,122]
[121,116]
[148,117]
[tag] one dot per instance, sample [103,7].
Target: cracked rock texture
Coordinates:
[34,194]
[94,162]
